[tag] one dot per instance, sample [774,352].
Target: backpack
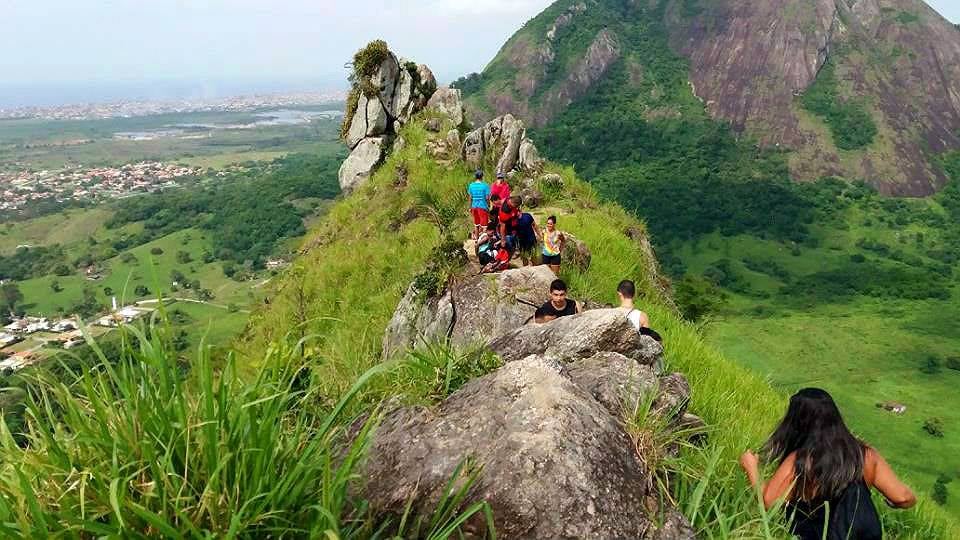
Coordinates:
[647,331]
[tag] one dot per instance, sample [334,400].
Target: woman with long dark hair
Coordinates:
[825,473]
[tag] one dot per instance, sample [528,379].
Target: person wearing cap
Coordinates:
[501,187]
[479,194]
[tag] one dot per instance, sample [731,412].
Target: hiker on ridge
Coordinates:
[528,237]
[558,306]
[553,241]
[824,473]
[479,194]
[501,188]
[508,217]
[626,290]
[495,203]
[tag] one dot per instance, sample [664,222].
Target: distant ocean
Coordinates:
[52,94]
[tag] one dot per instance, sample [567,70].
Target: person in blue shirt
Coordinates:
[479,194]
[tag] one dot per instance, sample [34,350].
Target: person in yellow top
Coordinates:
[552,245]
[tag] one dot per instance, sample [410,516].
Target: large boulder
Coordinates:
[389,97]
[528,159]
[619,383]
[447,100]
[494,304]
[359,165]
[474,148]
[417,319]
[369,120]
[512,134]
[556,463]
[472,310]
[579,336]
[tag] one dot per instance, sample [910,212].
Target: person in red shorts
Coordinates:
[479,194]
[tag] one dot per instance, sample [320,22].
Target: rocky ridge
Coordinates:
[548,432]
[398,89]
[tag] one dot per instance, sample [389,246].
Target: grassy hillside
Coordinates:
[145,445]
[361,259]
[866,307]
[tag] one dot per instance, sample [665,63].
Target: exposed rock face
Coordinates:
[472,310]
[402,90]
[581,336]
[360,164]
[504,138]
[770,53]
[370,120]
[418,319]
[617,382]
[447,101]
[556,463]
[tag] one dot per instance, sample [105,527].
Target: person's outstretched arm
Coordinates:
[879,474]
[779,485]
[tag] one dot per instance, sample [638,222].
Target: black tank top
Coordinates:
[852,516]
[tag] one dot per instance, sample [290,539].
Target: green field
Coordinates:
[147,269]
[864,349]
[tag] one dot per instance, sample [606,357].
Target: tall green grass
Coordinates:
[132,447]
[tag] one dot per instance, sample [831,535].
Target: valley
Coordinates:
[203,243]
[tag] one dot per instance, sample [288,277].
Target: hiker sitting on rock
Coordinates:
[824,473]
[487,245]
[558,306]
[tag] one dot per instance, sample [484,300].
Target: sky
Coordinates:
[78,49]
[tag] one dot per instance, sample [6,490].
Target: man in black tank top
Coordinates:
[558,306]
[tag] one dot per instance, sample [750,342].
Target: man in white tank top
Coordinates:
[626,291]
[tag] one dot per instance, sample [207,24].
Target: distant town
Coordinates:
[88,184]
[129,109]
[39,332]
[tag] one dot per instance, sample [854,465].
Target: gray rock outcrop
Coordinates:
[581,336]
[504,138]
[447,101]
[400,90]
[556,463]
[471,310]
[360,164]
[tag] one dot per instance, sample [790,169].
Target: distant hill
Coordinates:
[863,89]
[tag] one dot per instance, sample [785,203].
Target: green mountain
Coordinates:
[269,441]
[863,89]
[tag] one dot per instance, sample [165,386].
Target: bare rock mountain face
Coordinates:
[890,71]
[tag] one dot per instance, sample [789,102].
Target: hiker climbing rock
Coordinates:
[509,214]
[626,290]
